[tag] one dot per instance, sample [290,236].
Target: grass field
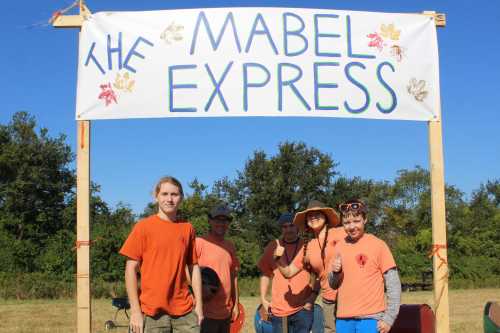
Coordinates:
[466,307]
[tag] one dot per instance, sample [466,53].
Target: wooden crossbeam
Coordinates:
[68,21]
[439,18]
[72,21]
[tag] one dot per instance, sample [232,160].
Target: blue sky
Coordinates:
[39,76]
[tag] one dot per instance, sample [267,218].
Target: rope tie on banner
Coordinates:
[82,276]
[63,11]
[80,243]
[82,135]
[435,252]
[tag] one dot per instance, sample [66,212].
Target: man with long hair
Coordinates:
[159,248]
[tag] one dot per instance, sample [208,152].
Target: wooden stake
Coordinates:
[83,294]
[439,249]
[84,313]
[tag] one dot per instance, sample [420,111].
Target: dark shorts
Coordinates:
[209,325]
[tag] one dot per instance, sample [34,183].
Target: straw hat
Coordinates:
[315,205]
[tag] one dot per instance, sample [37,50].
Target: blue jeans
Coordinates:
[354,325]
[299,322]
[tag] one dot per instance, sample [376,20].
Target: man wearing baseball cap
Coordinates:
[292,300]
[219,254]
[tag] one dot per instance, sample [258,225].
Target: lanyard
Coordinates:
[288,260]
[320,252]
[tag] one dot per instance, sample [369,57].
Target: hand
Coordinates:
[308,306]
[136,322]
[337,264]
[279,251]
[266,305]
[198,309]
[383,327]
[236,312]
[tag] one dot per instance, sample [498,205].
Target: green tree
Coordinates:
[373,193]
[268,186]
[197,206]
[109,232]
[35,180]
[475,241]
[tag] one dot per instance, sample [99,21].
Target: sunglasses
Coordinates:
[353,206]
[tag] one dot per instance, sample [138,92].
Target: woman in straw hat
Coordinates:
[320,224]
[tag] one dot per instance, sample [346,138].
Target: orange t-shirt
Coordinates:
[364,264]
[164,249]
[319,265]
[288,296]
[221,257]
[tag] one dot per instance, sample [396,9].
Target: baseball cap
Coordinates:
[220,210]
[285,218]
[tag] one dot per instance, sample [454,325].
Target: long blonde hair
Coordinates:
[168,179]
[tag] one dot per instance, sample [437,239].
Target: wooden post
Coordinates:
[83,299]
[439,248]
[83,242]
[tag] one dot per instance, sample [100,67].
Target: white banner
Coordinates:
[223,62]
